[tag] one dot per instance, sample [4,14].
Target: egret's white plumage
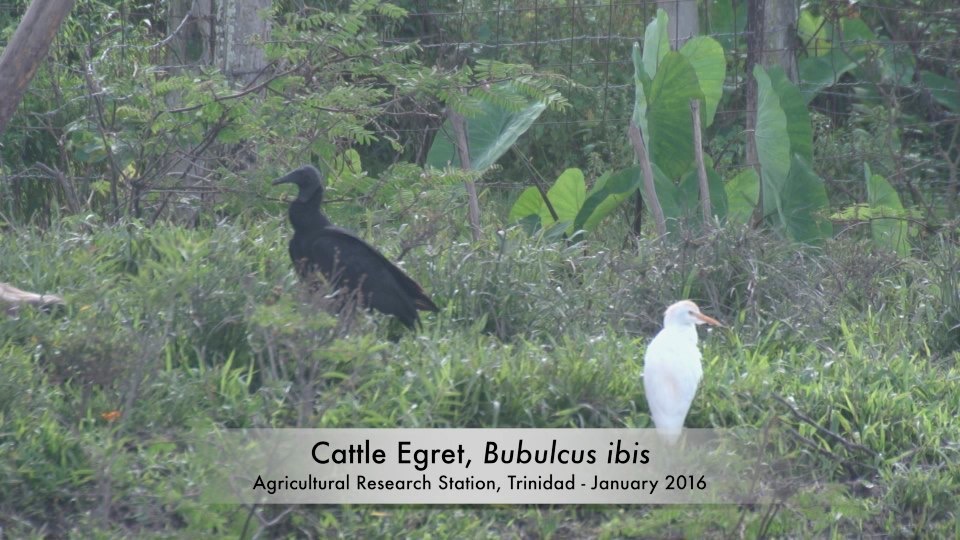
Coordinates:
[671,368]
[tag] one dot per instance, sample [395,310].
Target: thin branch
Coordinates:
[236,95]
[189,14]
[849,445]
[701,168]
[649,188]
[73,202]
[538,182]
[459,124]
[96,95]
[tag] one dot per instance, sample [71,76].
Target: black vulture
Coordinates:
[345,260]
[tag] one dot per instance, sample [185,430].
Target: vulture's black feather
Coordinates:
[345,260]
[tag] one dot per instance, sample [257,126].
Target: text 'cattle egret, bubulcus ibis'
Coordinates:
[671,368]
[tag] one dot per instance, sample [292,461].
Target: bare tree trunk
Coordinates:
[780,37]
[459,125]
[191,47]
[771,41]
[26,49]
[192,37]
[242,30]
[649,188]
[701,167]
[684,20]
[243,26]
[73,202]
[754,30]
[228,34]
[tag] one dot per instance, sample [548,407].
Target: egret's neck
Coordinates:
[684,332]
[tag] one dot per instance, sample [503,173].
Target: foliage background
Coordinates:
[183,312]
[116,101]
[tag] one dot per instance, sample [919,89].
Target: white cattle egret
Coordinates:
[671,368]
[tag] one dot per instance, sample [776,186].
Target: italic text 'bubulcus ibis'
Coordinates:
[671,368]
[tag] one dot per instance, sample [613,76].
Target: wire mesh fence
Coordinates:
[886,101]
[892,115]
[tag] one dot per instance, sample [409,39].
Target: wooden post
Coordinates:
[463,151]
[26,49]
[755,40]
[701,168]
[649,188]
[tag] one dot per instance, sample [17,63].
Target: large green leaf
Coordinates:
[743,192]
[682,208]
[897,63]
[794,197]
[888,232]
[805,204]
[680,202]
[641,83]
[944,91]
[819,72]
[637,57]
[690,187]
[610,190]
[656,43]
[825,64]
[798,118]
[856,33]
[528,204]
[879,59]
[566,196]
[727,19]
[668,193]
[706,56]
[813,32]
[773,144]
[668,114]
[859,41]
[489,135]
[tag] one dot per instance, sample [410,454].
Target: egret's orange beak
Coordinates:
[707,319]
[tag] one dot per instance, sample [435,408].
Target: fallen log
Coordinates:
[12,298]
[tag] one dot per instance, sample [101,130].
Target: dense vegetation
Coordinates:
[182,329]
[183,311]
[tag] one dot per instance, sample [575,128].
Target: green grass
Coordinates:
[846,357]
